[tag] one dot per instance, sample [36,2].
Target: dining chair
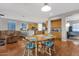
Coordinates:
[30,46]
[48,44]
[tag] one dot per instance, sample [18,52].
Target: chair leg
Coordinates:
[43,48]
[28,52]
[36,49]
[24,52]
[31,53]
[53,50]
[50,51]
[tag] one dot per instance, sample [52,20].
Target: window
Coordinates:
[40,27]
[75,27]
[11,25]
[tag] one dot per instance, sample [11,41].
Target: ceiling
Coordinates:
[32,11]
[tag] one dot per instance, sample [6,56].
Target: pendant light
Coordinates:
[67,24]
[46,8]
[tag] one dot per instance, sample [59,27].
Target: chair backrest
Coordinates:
[30,45]
[49,43]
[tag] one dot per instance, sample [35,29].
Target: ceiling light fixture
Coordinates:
[46,8]
[67,24]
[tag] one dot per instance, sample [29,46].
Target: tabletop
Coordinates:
[39,38]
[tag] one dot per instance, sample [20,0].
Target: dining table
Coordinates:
[39,38]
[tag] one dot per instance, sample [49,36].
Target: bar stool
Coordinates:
[48,46]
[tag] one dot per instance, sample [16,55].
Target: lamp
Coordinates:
[46,8]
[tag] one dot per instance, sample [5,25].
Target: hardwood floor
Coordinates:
[15,49]
[65,48]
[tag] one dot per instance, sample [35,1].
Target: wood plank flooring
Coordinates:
[63,48]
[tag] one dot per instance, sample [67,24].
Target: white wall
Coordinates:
[49,26]
[4,24]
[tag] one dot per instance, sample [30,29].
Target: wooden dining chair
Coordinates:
[30,47]
[48,47]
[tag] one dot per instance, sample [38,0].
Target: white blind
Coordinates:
[75,27]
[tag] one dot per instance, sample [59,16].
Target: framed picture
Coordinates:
[23,26]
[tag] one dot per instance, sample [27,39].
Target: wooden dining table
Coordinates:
[39,38]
